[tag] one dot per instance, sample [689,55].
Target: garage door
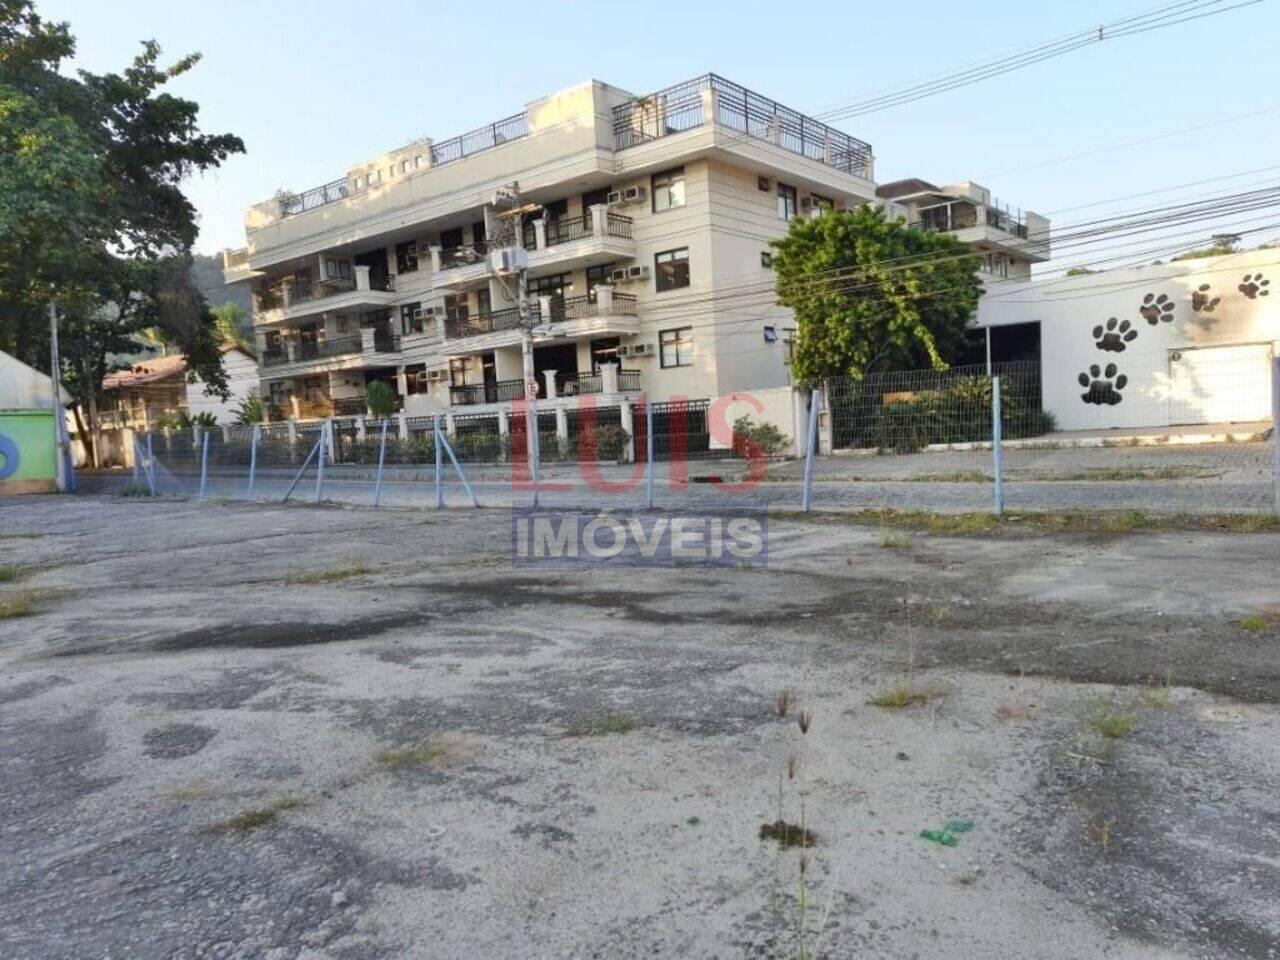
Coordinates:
[1220,384]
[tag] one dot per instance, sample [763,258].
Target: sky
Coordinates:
[313,87]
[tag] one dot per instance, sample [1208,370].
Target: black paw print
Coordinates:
[1114,336]
[1156,308]
[1201,302]
[1103,386]
[1254,285]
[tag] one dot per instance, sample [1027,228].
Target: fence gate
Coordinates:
[680,430]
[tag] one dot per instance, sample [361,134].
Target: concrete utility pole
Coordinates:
[511,193]
[65,479]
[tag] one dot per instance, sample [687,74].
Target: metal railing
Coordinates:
[319,290]
[447,151]
[567,229]
[582,307]
[629,381]
[616,225]
[579,384]
[474,325]
[275,358]
[501,391]
[313,350]
[467,255]
[385,342]
[680,108]
[350,407]
[385,284]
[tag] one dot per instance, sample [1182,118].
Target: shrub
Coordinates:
[250,409]
[380,398]
[611,442]
[764,436]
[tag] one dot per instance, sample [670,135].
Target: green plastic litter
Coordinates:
[944,837]
[959,826]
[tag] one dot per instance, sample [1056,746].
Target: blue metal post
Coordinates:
[996,431]
[253,457]
[303,469]
[448,448]
[648,447]
[137,459]
[204,463]
[382,456]
[324,446]
[435,428]
[815,406]
[151,466]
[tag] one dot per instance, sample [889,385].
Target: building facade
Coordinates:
[643,224]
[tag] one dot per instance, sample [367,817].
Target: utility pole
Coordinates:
[511,193]
[65,478]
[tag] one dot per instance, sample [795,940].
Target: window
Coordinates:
[455,308]
[483,304]
[408,322]
[675,347]
[451,239]
[818,205]
[597,276]
[668,189]
[414,378]
[336,269]
[766,259]
[786,202]
[406,257]
[594,198]
[556,285]
[478,234]
[672,269]
[765,184]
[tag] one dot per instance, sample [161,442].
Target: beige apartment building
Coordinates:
[641,224]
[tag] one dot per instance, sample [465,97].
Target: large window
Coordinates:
[668,189]
[786,202]
[451,239]
[675,347]
[409,323]
[596,276]
[672,269]
[406,257]
[556,285]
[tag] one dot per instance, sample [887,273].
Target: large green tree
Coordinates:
[92,214]
[870,293]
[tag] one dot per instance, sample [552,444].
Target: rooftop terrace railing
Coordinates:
[680,108]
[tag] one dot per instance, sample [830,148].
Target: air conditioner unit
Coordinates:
[614,198]
[435,376]
[642,350]
[624,351]
[618,276]
[637,273]
[509,259]
[633,194]
[425,313]
[806,204]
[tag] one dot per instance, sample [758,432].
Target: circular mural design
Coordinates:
[9,457]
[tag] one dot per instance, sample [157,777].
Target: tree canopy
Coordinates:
[92,213]
[870,293]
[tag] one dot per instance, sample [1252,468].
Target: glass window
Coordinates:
[451,239]
[786,202]
[406,257]
[675,347]
[409,323]
[672,269]
[556,285]
[336,269]
[668,189]
[596,276]
[819,204]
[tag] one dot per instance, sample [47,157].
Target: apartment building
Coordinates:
[642,224]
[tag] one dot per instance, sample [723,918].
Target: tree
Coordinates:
[91,208]
[871,294]
[380,398]
[234,326]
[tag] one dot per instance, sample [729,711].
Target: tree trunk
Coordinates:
[90,446]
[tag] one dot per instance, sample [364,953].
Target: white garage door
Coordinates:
[1220,384]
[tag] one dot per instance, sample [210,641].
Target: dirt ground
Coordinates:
[237,730]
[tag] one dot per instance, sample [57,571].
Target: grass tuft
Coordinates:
[1253,623]
[787,834]
[9,573]
[1110,723]
[356,569]
[977,524]
[20,604]
[422,754]
[903,695]
[258,817]
[1157,694]
[134,490]
[894,541]
[604,724]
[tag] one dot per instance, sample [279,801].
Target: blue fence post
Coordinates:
[996,433]
[435,434]
[137,460]
[204,463]
[448,448]
[382,456]
[151,465]
[815,405]
[324,446]
[301,470]
[648,452]
[253,457]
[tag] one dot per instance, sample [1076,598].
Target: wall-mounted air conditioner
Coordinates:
[425,313]
[642,350]
[614,198]
[637,273]
[509,259]
[633,194]
[436,376]
[618,276]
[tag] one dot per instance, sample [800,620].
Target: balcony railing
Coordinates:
[307,292]
[474,325]
[350,407]
[616,225]
[585,306]
[680,108]
[385,342]
[629,381]
[275,358]
[339,346]
[447,151]
[568,229]
[502,391]
[1003,220]
[584,383]
[467,255]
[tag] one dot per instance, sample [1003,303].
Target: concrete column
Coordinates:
[226,434]
[549,392]
[604,299]
[361,433]
[286,292]
[292,429]
[448,423]
[504,421]
[435,258]
[329,444]
[362,277]
[540,234]
[293,403]
[608,378]
[599,221]
[402,382]
[629,425]
[826,439]
[544,309]
[402,425]
[366,340]
[562,426]
[709,102]
[291,349]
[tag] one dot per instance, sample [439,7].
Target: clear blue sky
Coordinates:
[314,86]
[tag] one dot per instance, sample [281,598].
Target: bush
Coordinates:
[611,442]
[477,447]
[764,437]
[250,409]
[957,413]
[380,398]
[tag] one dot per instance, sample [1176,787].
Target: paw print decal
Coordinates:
[1201,302]
[1102,385]
[1254,286]
[1155,309]
[1114,335]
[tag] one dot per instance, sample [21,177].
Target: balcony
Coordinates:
[989,226]
[588,383]
[712,101]
[456,268]
[601,312]
[338,353]
[568,243]
[501,391]
[337,295]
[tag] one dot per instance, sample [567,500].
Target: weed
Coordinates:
[134,490]
[904,694]
[1109,722]
[894,541]
[356,569]
[1102,832]
[194,790]
[787,834]
[258,817]
[1121,474]
[1007,712]
[422,754]
[1252,623]
[977,524]
[603,724]
[20,604]
[1158,695]
[9,572]
[783,702]
[937,612]
[20,536]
